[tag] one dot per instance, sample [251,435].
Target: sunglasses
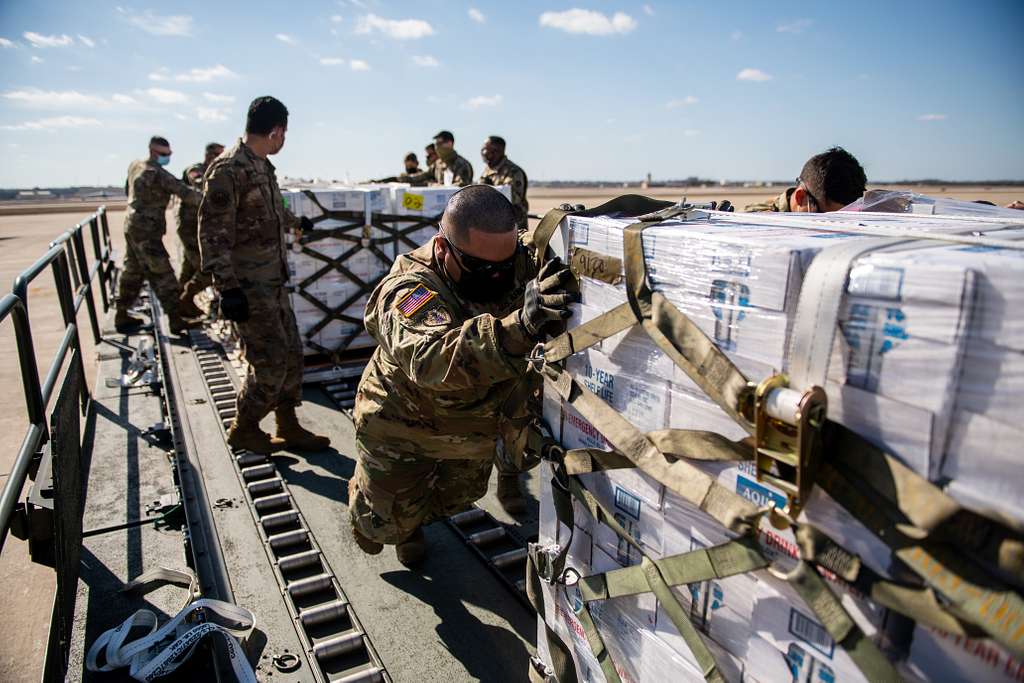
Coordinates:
[474,264]
[807,190]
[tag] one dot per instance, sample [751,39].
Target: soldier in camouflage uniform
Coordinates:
[149,188]
[192,278]
[242,220]
[828,182]
[500,170]
[450,161]
[448,383]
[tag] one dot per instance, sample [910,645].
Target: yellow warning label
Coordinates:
[413,202]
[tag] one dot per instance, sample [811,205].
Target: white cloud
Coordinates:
[218,99]
[285,38]
[425,61]
[476,15]
[157,24]
[483,101]
[753,75]
[931,117]
[123,99]
[681,102]
[166,96]
[798,26]
[332,61]
[336,18]
[85,40]
[586,21]
[648,10]
[54,99]
[399,29]
[211,114]
[36,59]
[358,65]
[55,122]
[39,40]
[4,43]
[205,75]
[161,74]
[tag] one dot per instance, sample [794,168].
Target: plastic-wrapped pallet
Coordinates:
[328,301]
[926,359]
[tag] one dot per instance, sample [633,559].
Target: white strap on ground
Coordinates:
[152,652]
[179,577]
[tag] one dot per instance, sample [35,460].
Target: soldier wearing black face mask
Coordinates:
[447,389]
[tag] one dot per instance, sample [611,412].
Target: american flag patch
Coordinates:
[415,300]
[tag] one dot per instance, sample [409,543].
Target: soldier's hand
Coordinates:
[305,223]
[547,298]
[234,305]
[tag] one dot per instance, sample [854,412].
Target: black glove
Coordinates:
[234,305]
[547,298]
[305,224]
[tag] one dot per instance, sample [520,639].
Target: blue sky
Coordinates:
[580,89]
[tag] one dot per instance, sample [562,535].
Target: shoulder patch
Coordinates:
[437,317]
[415,300]
[220,199]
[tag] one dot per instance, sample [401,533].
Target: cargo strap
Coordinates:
[356,230]
[997,612]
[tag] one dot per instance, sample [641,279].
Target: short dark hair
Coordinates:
[836,175]
[265,114]
[156,140]
[496,140]
[212,146]
[478,207]
[430,147]
[445,136]
[411,156]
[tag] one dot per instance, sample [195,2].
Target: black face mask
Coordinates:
[487,283]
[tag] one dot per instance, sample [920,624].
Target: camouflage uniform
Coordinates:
[462,170]
[445,383]
[508,173]
[242,220]
[149,188]
[419,179]
[188,230]
[780,203]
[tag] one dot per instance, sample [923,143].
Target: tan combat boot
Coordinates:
[180,325]
[296,436]
[126,322]
[246,435]
[187,307]
[510,495]
[412,550]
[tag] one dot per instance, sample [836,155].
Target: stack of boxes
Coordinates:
[313,278]
[925,364]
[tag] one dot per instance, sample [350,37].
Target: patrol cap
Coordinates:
[445,135]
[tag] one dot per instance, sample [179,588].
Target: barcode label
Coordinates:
[811,632]
[627,502]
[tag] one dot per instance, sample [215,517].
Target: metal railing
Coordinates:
[74,278]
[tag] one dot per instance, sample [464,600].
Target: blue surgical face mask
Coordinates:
[163,159]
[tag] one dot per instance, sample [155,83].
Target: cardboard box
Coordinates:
[936,657]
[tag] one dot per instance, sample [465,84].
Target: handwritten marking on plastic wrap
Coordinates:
[584,262]
[412,202]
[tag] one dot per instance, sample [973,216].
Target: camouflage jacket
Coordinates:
[780,203]
[242,221]
[188,207]
[462,170]
[507,173]
[149,188]
[441,383]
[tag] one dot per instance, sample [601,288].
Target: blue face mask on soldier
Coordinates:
[163,159]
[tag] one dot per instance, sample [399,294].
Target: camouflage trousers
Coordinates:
[146,258]
[273,351]
[394,492]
